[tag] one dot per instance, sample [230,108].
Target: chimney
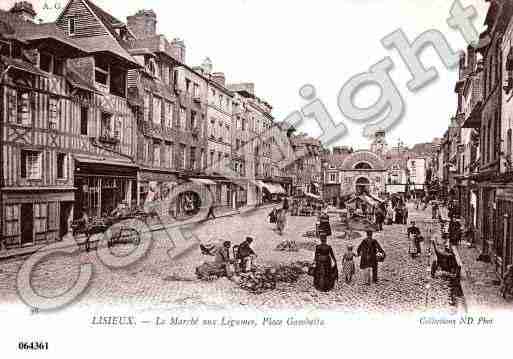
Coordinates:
[177,49]
[24,10]
[143,24]
[218,77]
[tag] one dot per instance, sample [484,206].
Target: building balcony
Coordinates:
[473,119]
[150,129]
[109,138]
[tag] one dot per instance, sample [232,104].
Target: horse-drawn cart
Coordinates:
[122,230]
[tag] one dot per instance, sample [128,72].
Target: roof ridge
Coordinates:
[102,14]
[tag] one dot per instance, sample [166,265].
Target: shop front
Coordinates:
[35,216]
[101,185]
[155,186]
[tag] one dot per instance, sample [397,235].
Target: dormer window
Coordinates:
[72,26]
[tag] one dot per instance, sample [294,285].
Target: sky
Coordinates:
[283,45]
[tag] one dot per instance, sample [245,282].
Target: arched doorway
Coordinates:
[362,185]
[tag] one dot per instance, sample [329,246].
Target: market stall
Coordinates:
[307,204]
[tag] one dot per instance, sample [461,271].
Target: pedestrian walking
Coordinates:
[380,218]
[325,271]
[370,252]
[454,231]
[434,210]
[285,205]
[281,221]
[273,215]
[324,224]
[210,213]
[390,215]
[398,215]
[415,238]
[405,214]
[348,266]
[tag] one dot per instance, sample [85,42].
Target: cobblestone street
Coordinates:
[161,283]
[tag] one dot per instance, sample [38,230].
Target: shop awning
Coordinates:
[260,184]
[274,188]
[202,181]
[105,161]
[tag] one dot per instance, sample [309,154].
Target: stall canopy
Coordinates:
[369,199]
[275,188]
[313,196]
[270,187]
[202,181]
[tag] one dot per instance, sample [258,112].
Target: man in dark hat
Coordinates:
[368,251]
[245,253]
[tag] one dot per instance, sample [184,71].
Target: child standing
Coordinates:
[348,264]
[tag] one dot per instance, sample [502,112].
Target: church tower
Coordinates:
[379,145]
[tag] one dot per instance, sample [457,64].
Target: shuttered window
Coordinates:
[147,107]
[84,120]
[61,166]
[53,113]
[118,129]
[157,111]
[156,154]
[40,217]
[24,108]
[12,221]
[12,106]
[169,155]
[31,163]
[183,118]
[53,216]
[168,115]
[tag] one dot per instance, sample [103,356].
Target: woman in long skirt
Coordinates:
[281,221]
[325,272]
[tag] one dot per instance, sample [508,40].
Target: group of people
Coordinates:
[279,216]
[325,270]
[240,261]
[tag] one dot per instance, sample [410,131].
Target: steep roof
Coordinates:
[111,42]
[31,32]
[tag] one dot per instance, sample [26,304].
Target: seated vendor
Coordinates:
[245,253]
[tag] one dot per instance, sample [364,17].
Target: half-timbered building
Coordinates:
[67,128]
